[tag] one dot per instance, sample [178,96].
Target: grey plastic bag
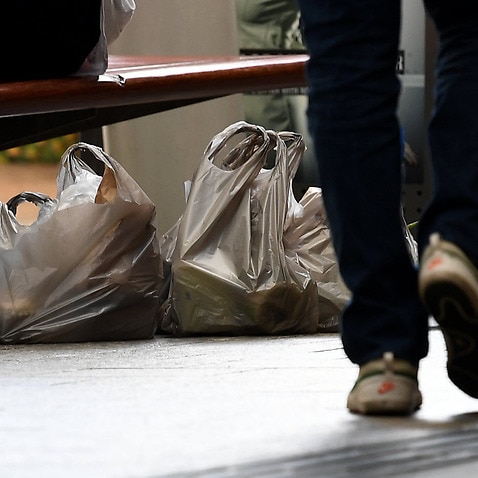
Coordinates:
[115,15]
[88,268]
[308,241]
[229,271]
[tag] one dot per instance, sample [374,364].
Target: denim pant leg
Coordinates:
[453,131]
[352,119]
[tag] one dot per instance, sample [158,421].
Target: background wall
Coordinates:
[161,151]
[415,107]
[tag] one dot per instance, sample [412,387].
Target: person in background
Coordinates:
[267,27]
[272,27]
[352,117]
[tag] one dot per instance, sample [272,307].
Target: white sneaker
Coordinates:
[448,285]
[386,387]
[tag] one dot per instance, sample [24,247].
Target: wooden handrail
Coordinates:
[132,87]
[154,79]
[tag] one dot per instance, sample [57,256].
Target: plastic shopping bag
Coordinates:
[229,271]
[88,268]
[308,241]
[115,15]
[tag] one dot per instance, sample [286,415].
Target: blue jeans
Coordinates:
[353,121]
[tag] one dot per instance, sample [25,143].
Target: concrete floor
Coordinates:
[219,407]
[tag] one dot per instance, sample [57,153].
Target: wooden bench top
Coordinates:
[132,87]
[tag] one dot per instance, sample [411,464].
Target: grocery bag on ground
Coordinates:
[229,271]
[308,241]
[88,268]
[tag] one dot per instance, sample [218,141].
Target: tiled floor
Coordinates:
[219,407]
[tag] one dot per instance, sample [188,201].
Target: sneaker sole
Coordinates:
[458,319]
[384,407]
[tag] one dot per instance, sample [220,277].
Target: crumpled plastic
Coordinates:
[115,15]
[235,266]
[308,241]
[88,268]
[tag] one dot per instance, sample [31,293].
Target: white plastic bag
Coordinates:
[88,268]
[115,15]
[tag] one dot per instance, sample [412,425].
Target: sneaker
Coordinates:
[386,386]
[448,285]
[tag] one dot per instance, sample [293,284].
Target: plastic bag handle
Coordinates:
[252,147]
[289,148]
[38,199]
[295,146]
[96,152]
[72,164]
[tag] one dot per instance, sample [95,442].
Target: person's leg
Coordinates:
[453,131]
[448,230]
[352,118]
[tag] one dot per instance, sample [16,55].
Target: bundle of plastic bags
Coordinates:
[238,257]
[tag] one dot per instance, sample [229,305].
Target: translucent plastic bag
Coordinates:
[115,15]
[229,271]
[308,241]
[88,268]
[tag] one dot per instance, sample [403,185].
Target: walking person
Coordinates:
[352,115]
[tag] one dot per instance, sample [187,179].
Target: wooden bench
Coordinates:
[132,87]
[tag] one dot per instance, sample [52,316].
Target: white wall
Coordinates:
[162,151]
